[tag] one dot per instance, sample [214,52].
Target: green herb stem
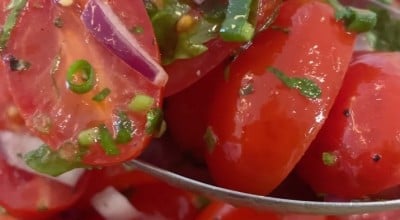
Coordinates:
[236,26]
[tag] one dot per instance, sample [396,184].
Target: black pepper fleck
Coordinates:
[346,113]
[376,157]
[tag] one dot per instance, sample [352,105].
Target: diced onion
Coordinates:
[107,28]
[15,145]
[111,204]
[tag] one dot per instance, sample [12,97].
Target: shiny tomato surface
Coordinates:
[356,153]
[259,125]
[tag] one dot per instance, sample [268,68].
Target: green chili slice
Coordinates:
[356,19]
[107,142]
[236,26]
[81,77]
[102,95]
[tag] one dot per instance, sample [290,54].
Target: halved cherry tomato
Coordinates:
[279,92]
[28,196]
[55,113]
[183,73]
[356,152]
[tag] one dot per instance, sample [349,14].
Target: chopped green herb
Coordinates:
[18,64]
[236,26]
[58,22]
[141,103]
[154,121]
[385,35]
[356,19]
[81,77]
[210,138]
[329,158]
[178,34]
[107,142]
[88,137]
[102,95]
[125,129]
[14,7]
[307,87]
[47,161]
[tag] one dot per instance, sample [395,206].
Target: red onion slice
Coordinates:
[107,28]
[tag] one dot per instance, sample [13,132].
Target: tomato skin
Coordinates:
[52,111]
[183,73]
[186,112]
[361,132]
[261,136]
[22,194]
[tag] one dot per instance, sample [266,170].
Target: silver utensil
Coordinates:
[264,202]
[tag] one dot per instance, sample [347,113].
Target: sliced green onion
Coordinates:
[107,142]
[307,87]
[236,26]
[88,137]
[102,95]
[141,103]
[356,19]
[15,7]
[125,129]
[81,77]
[154,121]
[44,160]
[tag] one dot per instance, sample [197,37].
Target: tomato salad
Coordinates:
[241,94]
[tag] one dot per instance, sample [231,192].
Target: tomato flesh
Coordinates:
[55,113]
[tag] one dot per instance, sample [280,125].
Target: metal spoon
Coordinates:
[266,202]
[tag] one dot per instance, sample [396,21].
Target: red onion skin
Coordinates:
[106,27]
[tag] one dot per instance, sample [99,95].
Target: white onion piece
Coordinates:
[108,29]
[111,204]
[14,145]
[363,43]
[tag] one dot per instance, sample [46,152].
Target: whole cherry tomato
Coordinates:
[356,152]
[276,98]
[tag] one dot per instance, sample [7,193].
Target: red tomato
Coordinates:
[55,113]
[259,128]
[25,195]
[356,152]
[165,201]
[186,112]
[183,73]
[224,211]
[10,119]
